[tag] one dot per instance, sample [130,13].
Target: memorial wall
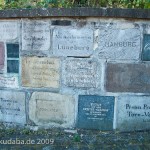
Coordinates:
[90,72]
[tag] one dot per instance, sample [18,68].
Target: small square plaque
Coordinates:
[95,112]
[146,48]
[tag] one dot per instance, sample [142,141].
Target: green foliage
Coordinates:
[13,4]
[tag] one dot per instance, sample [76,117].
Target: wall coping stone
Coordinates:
[76,12]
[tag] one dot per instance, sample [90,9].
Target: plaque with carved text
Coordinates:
[35,35]
[40,72]
[95,112]
[12,107]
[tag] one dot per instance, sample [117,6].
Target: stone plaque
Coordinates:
[9,81]
[12,66]
[81,73]
[2,55]
[40,72]
[96,112]
[133,113]
[128,78]
[12,107]
[8,30]
[50,109]
[35,35]
[12,50]
[72,42]
[119,44]
[146,48]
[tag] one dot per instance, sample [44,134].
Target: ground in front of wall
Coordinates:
[75,139]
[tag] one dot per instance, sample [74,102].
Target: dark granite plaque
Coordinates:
[95,112]
[12,50]
[146,48]
[12,66]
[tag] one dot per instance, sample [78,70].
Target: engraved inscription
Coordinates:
[95,111]
[79,73]
[119,44]
[35,35]
[40,72]
[134,111]
[10,81]
[51,108]
[12,107]
[72,42]
[8,30]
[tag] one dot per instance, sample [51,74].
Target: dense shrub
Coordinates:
[11,4]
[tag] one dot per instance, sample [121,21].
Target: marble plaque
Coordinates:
[12,50]
[133,113]
[9,81]
[72,42]
[12,66]
[95,112]
[121,44]
[81,73]
[146,47]
[2,55]
[8,30]
[35,35]
[51,109]
[40,72]
[12,107]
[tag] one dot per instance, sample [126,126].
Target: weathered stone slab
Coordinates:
[12,107]
[9,81]
[119,44]
[96,112]
[8,30]
[133,113]
[40,72]
[128,77]
[35,35]
[50,109]
[81,73]
[146,48]
[72,42]
[12,50]
[12,66]
[2,55]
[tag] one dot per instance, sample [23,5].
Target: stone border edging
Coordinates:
[76,12]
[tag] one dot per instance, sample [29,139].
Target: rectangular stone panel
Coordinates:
[40,72]
[9,81]
[146,47]
[12,66]
[35,35]
[2,55]
[133,113]
[95,112]
[12,50]
[128,78]
[121,44]
[81,73]
[12,107]
[72,42]
[50,109]
[8,30]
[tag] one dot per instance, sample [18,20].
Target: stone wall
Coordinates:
[85,72]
